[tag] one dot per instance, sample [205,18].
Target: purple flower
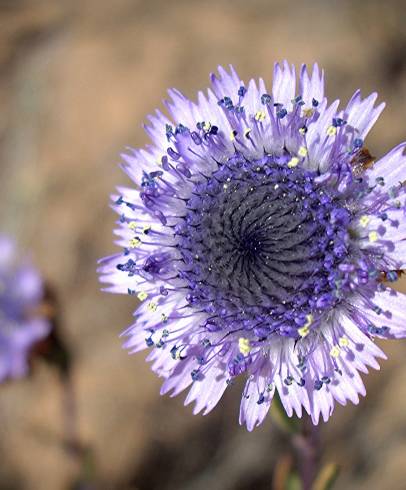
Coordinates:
[258,238]
[20,325]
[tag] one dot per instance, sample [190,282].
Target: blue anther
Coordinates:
[180,129]
[281,113]
[338,122]
[242,91]
[318,384]
[149,341]
[168,131]
[228,103]
[288,380]
[392,276]
[261,399]
[195,374]
[265,99]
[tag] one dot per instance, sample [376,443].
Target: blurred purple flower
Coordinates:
[258,240]
[20,324]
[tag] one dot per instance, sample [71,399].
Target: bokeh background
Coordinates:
[77,79]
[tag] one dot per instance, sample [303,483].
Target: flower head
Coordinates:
[20,324]
[259,239]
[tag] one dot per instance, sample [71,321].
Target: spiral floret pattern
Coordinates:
[260,242]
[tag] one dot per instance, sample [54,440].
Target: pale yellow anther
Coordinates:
[233,134]
[309,320]
[373,236]
[331,131]
[260,116]
[146,228]
[164,318]
[303,331]
[132,225]
[293,162]
[207,126]
[302,151]
[344,342]
[135,242]
[307,112]
[152,306]
[247,132]
[302,130]
[335,351]
[244,346]
[364,220]
[142,295]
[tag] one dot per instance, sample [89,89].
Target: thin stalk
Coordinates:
[307,444]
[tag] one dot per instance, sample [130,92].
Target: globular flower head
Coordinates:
[259,237]
[21,326]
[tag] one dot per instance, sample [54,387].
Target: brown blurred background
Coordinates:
[77,79]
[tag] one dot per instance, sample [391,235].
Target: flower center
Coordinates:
[261,245]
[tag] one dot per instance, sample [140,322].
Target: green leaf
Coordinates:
[293,482]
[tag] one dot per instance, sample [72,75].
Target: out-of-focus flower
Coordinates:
[21,325]
[259,241]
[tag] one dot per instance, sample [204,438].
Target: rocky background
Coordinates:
[77,79]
